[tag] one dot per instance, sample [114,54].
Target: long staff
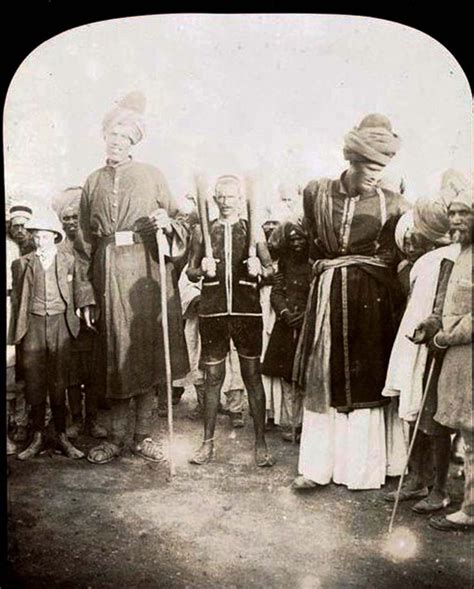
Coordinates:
[162,244]
[252,216]
[293,394]
[412,443]
[203,209]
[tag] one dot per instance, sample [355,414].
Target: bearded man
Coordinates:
[450,333]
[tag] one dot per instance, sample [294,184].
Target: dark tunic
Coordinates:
[232,291]
[365,300]
[290,292]
[128,351]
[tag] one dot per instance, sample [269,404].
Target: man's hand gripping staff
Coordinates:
[254,267]
[208,263]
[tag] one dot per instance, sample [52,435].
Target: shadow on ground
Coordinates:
[225,525]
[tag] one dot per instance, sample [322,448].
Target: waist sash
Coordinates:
[311,368]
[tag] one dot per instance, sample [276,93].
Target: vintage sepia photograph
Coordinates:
[239,306]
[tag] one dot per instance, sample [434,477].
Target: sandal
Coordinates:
[440,522]
[430,505]
[149,449]
[204,454]
[407,494]
[302,483]
[263,457]
[104,453]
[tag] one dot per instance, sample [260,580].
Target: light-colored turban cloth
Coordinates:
[373,140]
[405,224]
[455,188]
[70,209]
[21,208]
[431,221]
[128,113]
[71,197]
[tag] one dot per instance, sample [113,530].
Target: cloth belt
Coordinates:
[321,266]
[127,238]
[132,237]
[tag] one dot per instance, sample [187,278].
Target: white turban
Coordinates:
[128,113]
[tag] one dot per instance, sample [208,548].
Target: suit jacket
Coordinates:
[75,294]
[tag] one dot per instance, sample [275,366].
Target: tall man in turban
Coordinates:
[351,316]
[122,206]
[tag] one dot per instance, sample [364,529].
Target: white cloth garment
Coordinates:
[188,291]
[397,439]
[408,360]
[233,379]
[348,449]
[291,405]
[271,385]
[273,397]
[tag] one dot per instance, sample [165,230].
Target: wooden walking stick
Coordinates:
[293,396]
[412,443]
[251,216]
[293,412]
[162,245]
[203,210]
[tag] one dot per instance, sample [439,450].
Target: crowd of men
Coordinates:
[349,325]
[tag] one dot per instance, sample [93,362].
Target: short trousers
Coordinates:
[216,332]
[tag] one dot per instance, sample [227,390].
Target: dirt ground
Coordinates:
[224,525]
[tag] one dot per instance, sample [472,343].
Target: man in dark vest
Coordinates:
[229,309]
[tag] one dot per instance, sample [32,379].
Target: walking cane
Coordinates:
[293,397]
[293,412]
[412,443]
[162,244]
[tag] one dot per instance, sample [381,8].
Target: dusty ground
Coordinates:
[225,525]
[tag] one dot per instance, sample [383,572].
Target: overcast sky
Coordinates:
[228,94]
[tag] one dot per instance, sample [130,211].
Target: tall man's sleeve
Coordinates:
[83,290]
[387,249]
[308,213]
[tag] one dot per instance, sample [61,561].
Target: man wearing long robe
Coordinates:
[122,206]
[351,317]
